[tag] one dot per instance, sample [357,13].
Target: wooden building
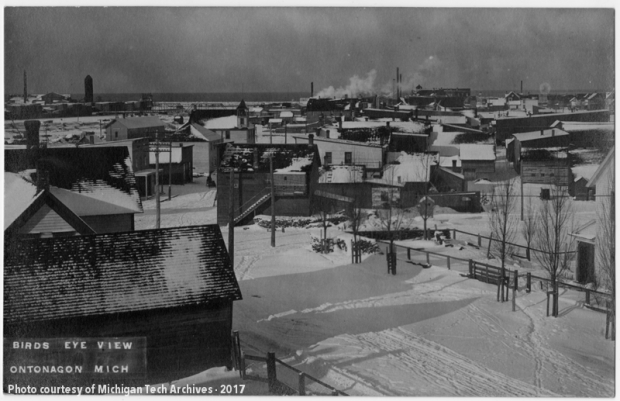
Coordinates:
[552,137]
[295,177]
[545,166]
[135,127]
[174,286]
[477,161]
[345,152]
[176,162]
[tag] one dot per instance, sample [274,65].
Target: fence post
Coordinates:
[428,258]
[487,272]
[448,262]
[394,263]
[514,291]
[389,262]
[237,345]
[352,252]
[409,253]
[271,372]
[547,303]
[499,283]
[302,383]
[242,367]
[556,299]
[529,282]
[527,253]
[454,233]
[479,240]
[587,297]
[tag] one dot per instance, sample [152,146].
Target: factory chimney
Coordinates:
[397,84]
[521,86]
[311,89]
[88,89]
[25,87]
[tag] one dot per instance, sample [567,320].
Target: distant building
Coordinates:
[552,137]
[477,161]
[345,152]
[545,166]
[233,128]
[135,127]
[296,173]
[176,161]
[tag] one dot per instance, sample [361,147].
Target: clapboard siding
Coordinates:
[110,223]
[46,220]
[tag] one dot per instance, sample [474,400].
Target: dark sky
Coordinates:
[284,49]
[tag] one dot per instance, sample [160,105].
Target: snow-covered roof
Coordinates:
[286,114]
[18,195]
[138,122]
[585,171]
[570,126]
[227,122]
[275,121]
[447,161]
[342,174]
[84,204]
[297,164]
[586,231]
[445,138]
[477,152]
[203,133]
[534,135]
[607,163]
[411,168]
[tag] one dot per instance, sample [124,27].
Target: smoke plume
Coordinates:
[357,86]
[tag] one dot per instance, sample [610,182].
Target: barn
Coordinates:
[174,286]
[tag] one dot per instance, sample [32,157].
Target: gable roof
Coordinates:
[138,122]
[22,203]
[203,133]
[104,274]
[607,163]
[535,135]
[242,105]
[84,205]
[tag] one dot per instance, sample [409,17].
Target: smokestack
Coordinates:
[522,86]
[400,86]
[88,89]
[310,140]
[311,89]
[397,84]
[25,87]
[32,133]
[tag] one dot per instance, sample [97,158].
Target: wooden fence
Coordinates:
[305,384]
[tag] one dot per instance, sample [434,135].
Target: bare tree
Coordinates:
[324,207]
[606,248]
[554,224]
[503,222]
[391,212]
[528,227]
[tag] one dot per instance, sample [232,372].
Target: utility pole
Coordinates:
[285,132]
[273,204]
[170,171]
[231,220]
[521,179]
[157,219]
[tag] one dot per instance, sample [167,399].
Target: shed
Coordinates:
[477,160]
[177,161]
[135,127]
[174,286]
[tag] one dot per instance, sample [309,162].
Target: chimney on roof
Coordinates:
[32,133]
[454,164]
[43,179]
[552,132]
[310,140]
[387,124]
[340,121]
[318,132]
[542,132]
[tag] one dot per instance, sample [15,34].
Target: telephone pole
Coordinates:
[170,171]
[231,220]
[157,219]
[273,204]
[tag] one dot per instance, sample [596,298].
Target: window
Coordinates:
[227,134]
[328,157]
[348,157]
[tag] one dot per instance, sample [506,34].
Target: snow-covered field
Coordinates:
[422,332]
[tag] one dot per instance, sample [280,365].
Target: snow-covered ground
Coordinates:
[422,332]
